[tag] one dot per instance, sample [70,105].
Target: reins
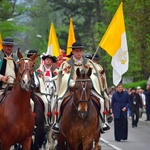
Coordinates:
[83,91]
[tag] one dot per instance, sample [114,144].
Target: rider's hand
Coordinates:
[4,78]
[124,109]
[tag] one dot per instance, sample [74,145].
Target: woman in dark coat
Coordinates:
[120,103]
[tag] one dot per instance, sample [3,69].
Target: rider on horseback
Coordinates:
[42,75]
[66,77]
[7,64]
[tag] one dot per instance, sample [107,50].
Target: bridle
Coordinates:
[25,67]
[24,77]
[83,95]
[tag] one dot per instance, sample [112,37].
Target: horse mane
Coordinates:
[83,73]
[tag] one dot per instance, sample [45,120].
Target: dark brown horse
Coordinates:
[79,126]
[16,117]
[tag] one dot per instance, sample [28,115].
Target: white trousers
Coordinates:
[45,101]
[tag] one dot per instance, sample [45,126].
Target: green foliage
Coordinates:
[9,17]
[142,84]
[90,18]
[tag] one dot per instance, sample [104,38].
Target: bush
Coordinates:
[142,84]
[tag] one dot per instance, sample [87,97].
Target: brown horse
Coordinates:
[16,117]
[79,126]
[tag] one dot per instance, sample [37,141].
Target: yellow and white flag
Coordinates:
[114,42]
[53,45]
[71,37]
[1,47]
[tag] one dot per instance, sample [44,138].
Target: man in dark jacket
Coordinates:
[135,105]
[120,103]
[147,95]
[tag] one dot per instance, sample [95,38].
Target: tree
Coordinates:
[9,12]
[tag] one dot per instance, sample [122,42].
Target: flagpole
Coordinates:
[95,52]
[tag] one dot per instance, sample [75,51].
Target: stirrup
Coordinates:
[55,128]
[105,127]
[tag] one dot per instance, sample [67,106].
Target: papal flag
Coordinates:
[71,37]
[114,42]
[53,45]
[1,42]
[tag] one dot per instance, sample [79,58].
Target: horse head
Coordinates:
[25,70]
[82,91]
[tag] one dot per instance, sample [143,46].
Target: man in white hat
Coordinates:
[67,76]
[7,64]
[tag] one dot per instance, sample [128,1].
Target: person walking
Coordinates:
[147,95]
[140,91]
[135,105]
[119,104]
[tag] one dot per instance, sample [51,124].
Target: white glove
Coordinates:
[72,83]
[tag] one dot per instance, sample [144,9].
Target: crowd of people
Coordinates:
[124,103]
[135,100]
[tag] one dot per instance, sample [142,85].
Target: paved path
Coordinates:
[107,140]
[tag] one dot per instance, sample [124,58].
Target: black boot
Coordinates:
[55,127]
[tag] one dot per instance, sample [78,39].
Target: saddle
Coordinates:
[97,106]
[65,101]
[35,97]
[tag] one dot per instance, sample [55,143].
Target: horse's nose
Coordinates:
[25,85]
[82,114]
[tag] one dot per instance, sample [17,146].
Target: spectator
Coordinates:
[135,105]
[120,103]
[140,92]
[147,95]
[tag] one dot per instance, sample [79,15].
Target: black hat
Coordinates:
[8,41]
[76,45]
[96,57]
[31,52]
[87,55]
[54,59]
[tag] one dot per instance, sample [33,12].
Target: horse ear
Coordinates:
[89,72]
[78,72]
[34,58]
[19,54]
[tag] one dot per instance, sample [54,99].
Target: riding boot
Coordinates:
[104,126]
[56,126]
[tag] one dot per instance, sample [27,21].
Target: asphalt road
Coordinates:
[138,138]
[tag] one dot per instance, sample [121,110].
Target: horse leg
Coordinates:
[61,142]
[97,146]
[26,145]
[88,144]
